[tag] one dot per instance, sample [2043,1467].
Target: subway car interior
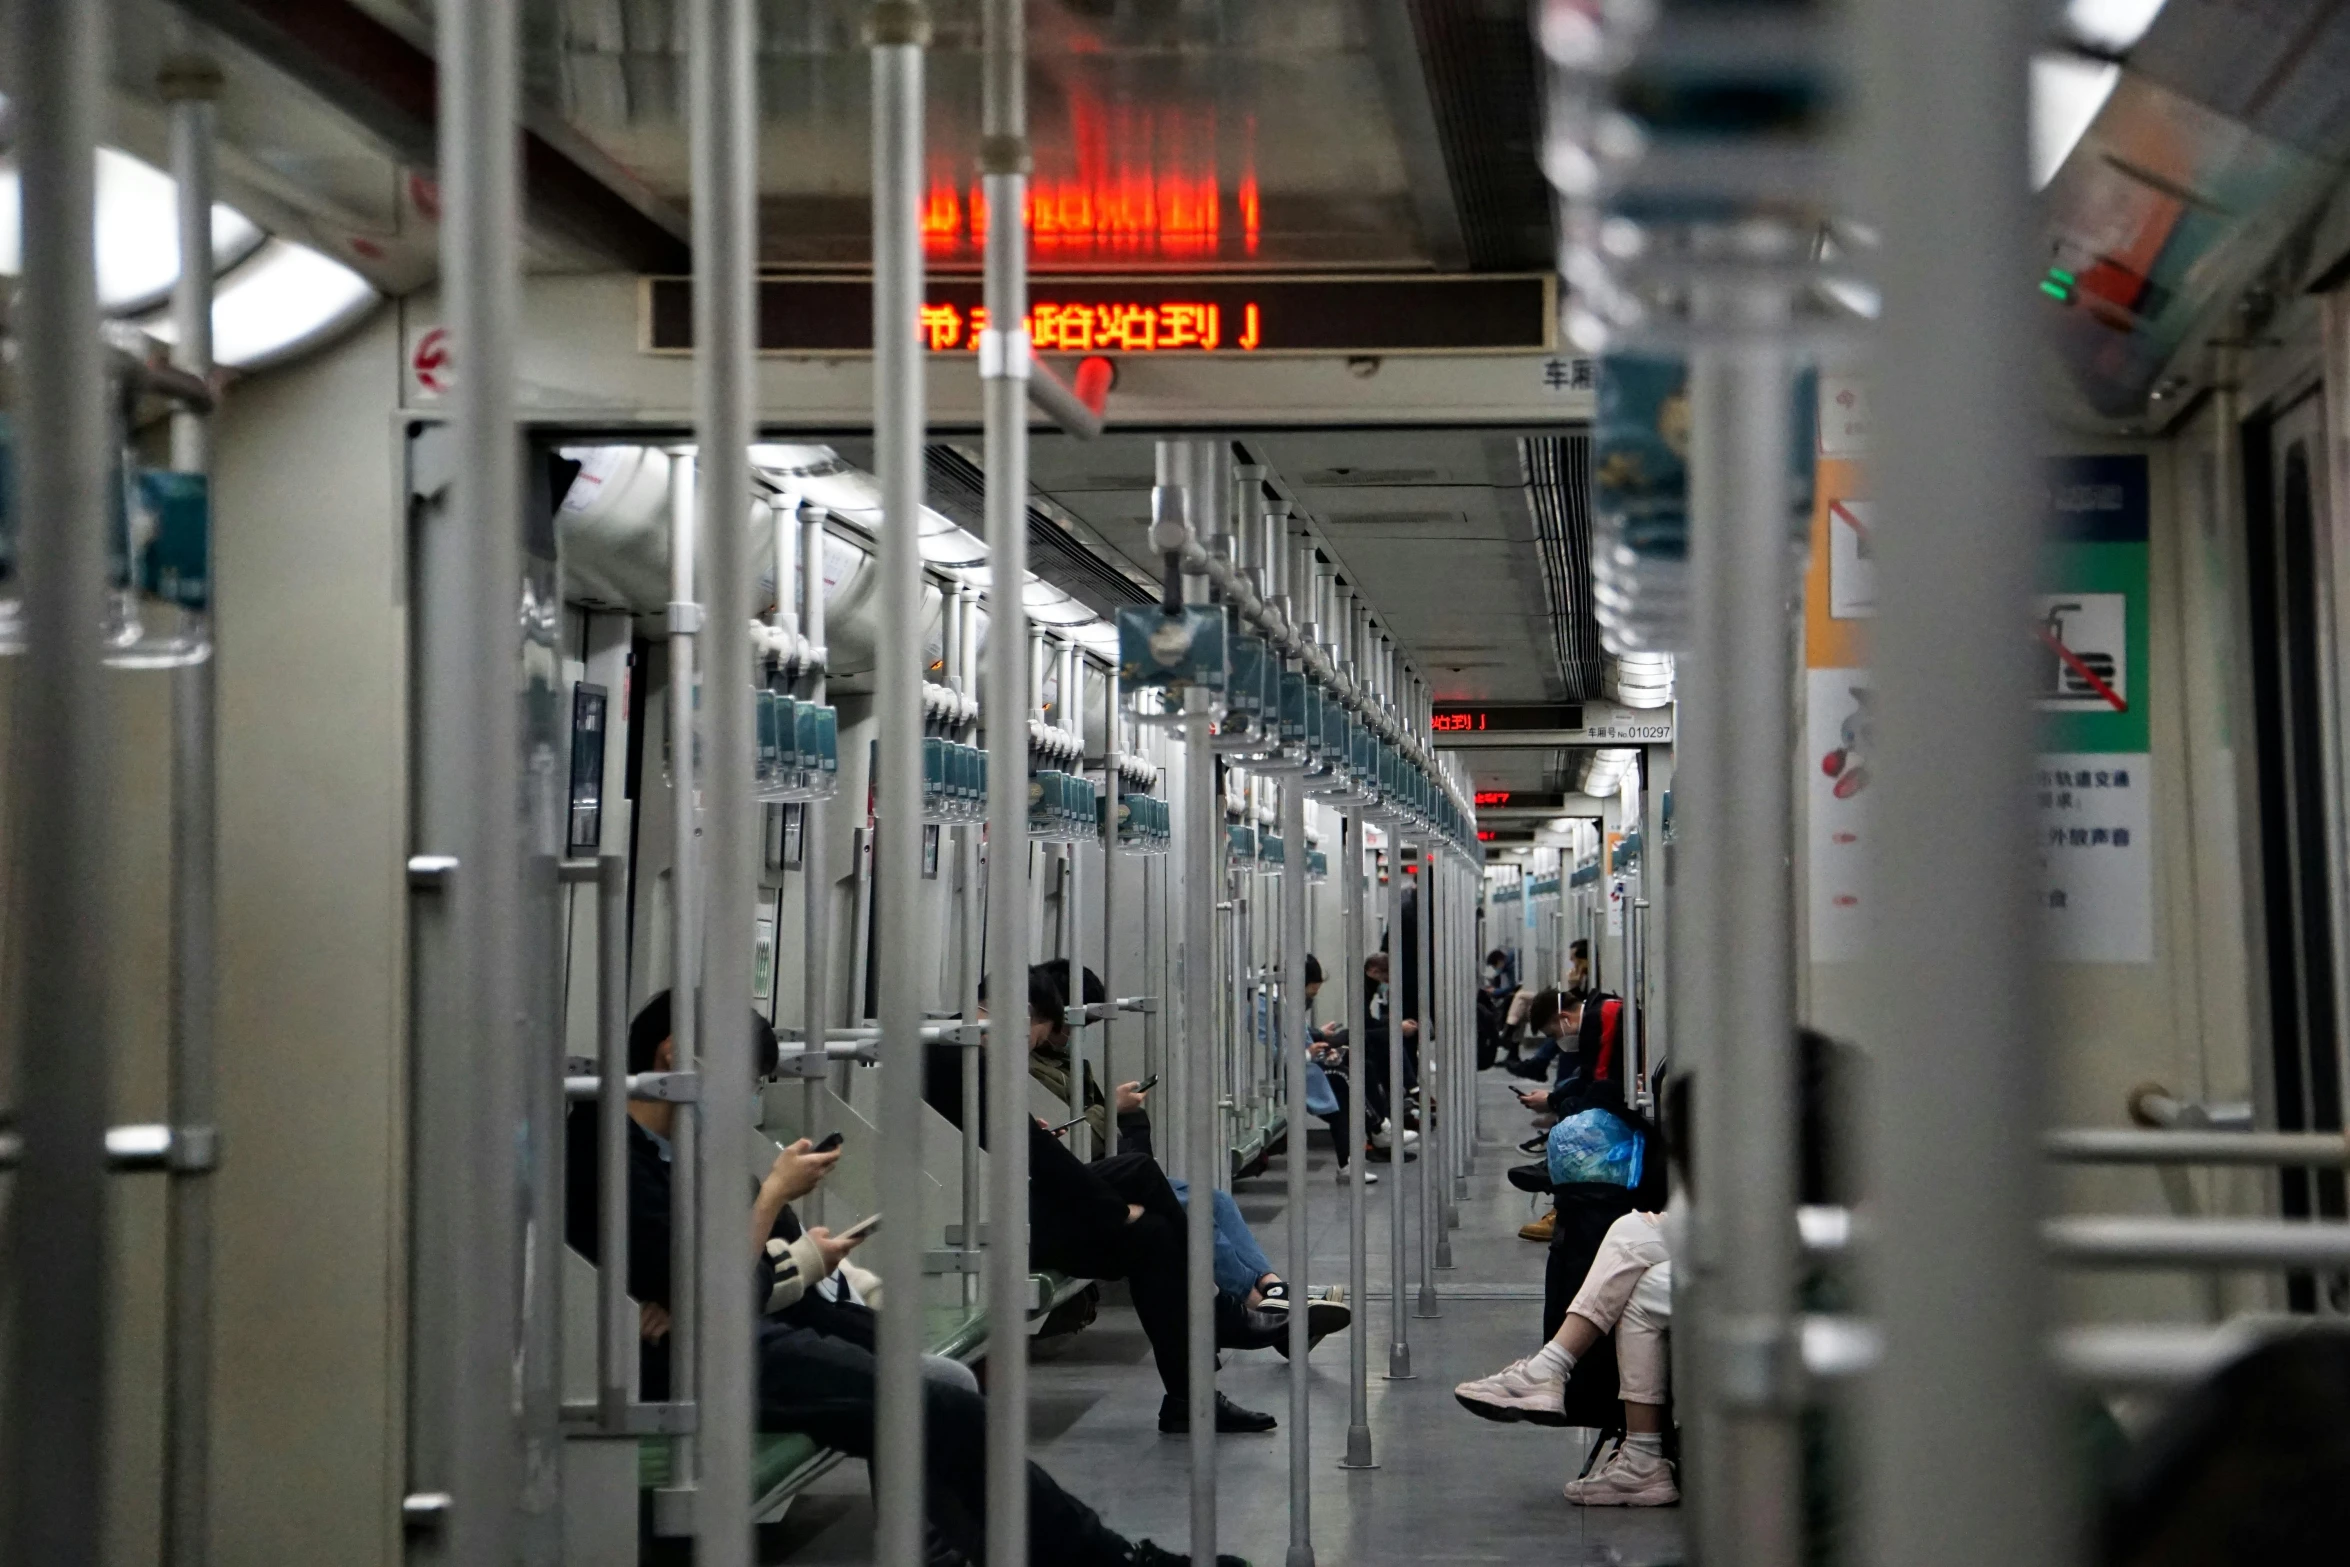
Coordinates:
[1652,696]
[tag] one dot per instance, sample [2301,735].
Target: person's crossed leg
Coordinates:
[1629,1289]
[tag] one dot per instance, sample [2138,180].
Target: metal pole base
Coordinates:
[1460,1191]
[1399,1363]
[1299,1556]
[1427,1305]
[1358,1449]
[1444,1255]
[1452,1215]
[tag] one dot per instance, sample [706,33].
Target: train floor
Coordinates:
[1449,1488]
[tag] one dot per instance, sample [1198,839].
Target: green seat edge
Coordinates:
[783,1462]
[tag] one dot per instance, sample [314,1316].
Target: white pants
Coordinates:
[1630,1289]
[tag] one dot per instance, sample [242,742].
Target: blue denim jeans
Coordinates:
[1240,1262]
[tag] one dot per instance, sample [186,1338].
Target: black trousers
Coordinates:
[1376,1097]
[1340,1134]
[1151,1254]
[823,1388]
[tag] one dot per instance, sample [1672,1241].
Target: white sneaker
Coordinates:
[1628,1479]
[1380,1139]
[1345,1177]
[1516,1392]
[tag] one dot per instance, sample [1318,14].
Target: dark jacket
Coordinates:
[1050,1068]
[1072,1211]
[780,1275]
[1596,1082]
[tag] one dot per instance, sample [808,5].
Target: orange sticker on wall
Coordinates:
[1839,588]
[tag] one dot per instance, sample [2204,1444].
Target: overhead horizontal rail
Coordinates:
[1240,592]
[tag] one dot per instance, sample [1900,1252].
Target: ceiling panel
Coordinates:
[1431,527]
[1163,134]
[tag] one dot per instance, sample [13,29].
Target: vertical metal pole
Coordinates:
[1349,972]
[1399,1345]
[1431,1076]
[1294,1024]
[57,1269]
[1209,1160]
[191,83]
[724,48]
[616,1338]
[1003,371]
[1962,1461]
[1449,1009]
[479,49]
[815,851]
[1707,783]
[1113,749]
[1069,713]
[1171,520]
[1203,811]
[685,916]
[900,33]
[1440,1094]
[971,910]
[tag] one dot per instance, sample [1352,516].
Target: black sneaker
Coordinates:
[1323,1318]
[1246,1327]
[1231,1419]
[1533,1178]
[1535,1144]
[1147,1554]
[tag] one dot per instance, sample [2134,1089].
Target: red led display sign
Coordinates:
[1225,313]
[1479,718]
[1520,799]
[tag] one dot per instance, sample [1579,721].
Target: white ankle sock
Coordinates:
[1648,1444]
[1552,1361]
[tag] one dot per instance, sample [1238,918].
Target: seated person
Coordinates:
[1629,1290]
[1242,1273]
[815,1366]
[1048,1063]
[1326,1064]
[1587,1070]
[1374,1064]
[1082,1224]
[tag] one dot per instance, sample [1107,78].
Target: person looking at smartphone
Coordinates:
[813,1353]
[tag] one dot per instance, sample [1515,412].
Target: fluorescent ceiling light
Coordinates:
[2067,92]
[817,474]
[2115,25]
[138,231]
[286,299]
[1862,299]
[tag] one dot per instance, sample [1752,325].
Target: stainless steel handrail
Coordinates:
[2128,1145]
[2112,1356]
[2131,1241]
[2128,1241]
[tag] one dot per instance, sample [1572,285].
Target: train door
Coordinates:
[2293,641]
